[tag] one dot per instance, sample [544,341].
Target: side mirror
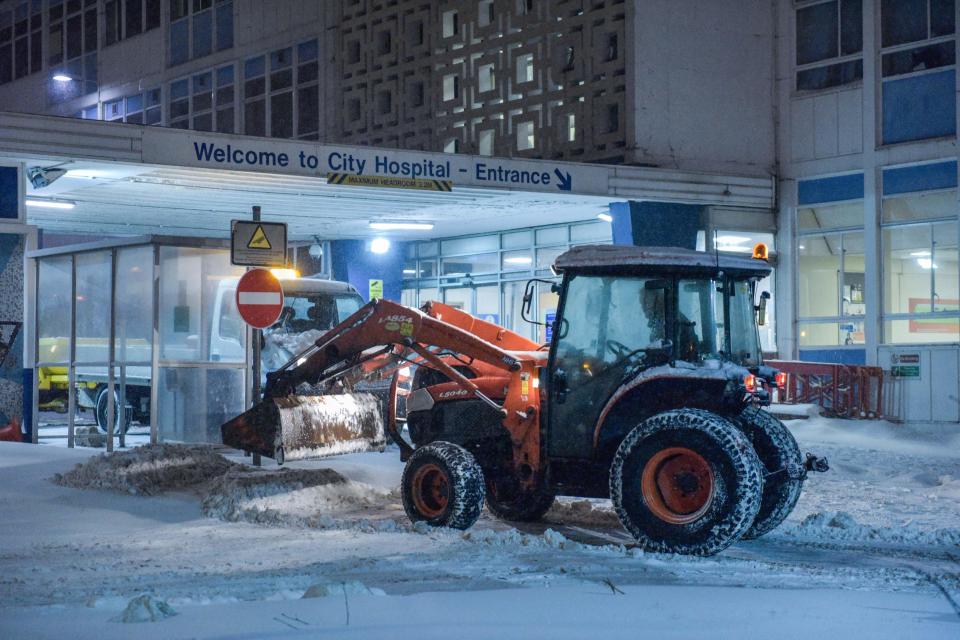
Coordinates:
[762,309]
[528,298]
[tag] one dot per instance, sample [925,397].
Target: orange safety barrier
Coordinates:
[842,390]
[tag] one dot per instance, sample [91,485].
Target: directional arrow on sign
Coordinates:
[565,180]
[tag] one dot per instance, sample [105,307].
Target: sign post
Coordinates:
[259,294]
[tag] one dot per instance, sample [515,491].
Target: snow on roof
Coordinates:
[614,256]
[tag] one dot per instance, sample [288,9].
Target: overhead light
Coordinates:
[802,247]
[606,217]
[926,263]
[732,239]
[397,226]
[379,245]
[49,204]
[921,254]
[409,272]
[519,260]
[60,77]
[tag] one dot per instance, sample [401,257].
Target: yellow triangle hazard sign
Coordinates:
[259,240]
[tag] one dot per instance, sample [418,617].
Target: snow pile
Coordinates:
[583,512]
[301,497]
[145,608]
[350,588]
[148,470]
[839,526]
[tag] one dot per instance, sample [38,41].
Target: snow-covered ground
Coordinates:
[872,550]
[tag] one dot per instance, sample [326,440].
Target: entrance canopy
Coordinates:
[132,180]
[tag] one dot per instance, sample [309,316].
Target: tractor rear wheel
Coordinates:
[508,501]
[686,481]
[780,455]
[442,485]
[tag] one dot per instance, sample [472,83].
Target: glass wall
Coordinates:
[921,279]
[485,275]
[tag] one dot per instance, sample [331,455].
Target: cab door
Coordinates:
[606,328]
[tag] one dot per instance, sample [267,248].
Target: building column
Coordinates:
[15,239]
[872,201]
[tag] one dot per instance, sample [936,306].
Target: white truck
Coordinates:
[311,307]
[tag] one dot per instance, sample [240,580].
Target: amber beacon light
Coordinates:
[760,251]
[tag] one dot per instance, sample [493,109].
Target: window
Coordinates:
[451,87]
[281,94]
[613,118]
[485,142]
[917,39]
[451,24]
[831,288]
[486,79]
[72,45]
[224,100]
[254,88]
[829,32]
[921,278]
[485,13]
[152,109]
[571,127]
[127,18]
[525,136]
[201,107]
[113,111]
[308,91]
[178,111]
[452,145]
[525,68]
[199,28]
[903,21]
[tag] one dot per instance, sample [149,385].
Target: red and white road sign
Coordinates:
[259,298]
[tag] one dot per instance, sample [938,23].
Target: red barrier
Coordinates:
[842,390]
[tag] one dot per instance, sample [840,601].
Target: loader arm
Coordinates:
[381,323]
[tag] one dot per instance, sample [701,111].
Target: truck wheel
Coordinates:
[686,481]
[101,412]
[780,455]
[442,485]
[507,501]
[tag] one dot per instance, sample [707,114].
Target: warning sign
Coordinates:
[259,239]
[353,180]
[376,289]
[258,244]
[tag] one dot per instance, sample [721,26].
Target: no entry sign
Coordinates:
[259,298]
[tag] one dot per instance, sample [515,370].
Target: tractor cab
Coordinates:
[643,330]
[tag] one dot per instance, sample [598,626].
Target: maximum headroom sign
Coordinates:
[258,244]
[214,151]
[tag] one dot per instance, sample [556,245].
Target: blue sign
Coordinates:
[550,318]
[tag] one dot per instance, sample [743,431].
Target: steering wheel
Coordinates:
[620,350]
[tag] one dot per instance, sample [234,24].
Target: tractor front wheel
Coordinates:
[686,481]
[780,455]
[442,485]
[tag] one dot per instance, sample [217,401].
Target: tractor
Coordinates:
[649,393]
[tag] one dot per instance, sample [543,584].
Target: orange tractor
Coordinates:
[649,394]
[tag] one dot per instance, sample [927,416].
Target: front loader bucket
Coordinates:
[302,427]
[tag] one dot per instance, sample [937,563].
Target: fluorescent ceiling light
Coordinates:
[379,245]
[49,204]
[395,226]
[519,260]
[732,239]
[926,263]
[921,254]
[410,272]
[60,77]
[606,217]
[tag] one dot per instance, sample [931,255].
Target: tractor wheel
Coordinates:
[780,455]
[686,481]
[442,485]
[101,412]
[509,502]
